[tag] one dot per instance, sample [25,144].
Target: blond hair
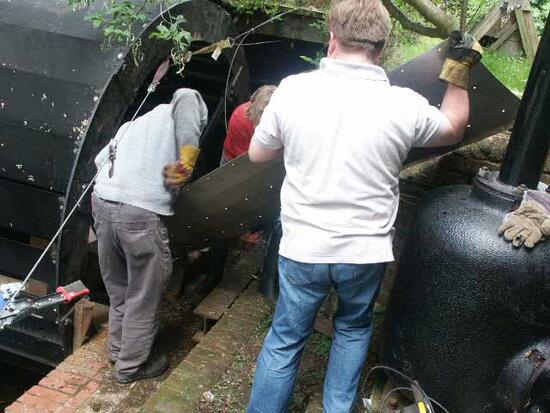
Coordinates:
[360,24]
[258,103]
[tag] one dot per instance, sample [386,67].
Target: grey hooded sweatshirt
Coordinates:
[145,146]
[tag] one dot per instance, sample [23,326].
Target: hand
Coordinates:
[176,175]
[527,225]
[464,53]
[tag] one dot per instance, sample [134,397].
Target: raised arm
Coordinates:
[465,52]
[456,108]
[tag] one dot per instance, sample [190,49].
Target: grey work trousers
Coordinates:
[135,263]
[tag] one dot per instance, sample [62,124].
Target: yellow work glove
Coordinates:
[189,155]
[464,53]
[527,225]
[178,173]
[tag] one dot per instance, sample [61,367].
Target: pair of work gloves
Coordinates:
[530,223]
[464,53]
[178,173]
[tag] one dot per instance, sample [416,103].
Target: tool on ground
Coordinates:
[530,223]
[464,53]
[16,310]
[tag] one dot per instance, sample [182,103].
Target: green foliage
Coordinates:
[513,71]
[269,7]
[181,39]
[119,20]
[123,20]
[401,51]
[541,9]
[265,324]
[321,344]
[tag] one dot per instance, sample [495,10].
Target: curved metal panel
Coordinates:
[240,195]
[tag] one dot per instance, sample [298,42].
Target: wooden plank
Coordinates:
[33,287]
[486,24]
[83,315]
[199,335]
[504,36]
[526,37]
[531,30]
[233,283]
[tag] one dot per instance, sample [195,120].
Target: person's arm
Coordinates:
[189,114]
[258,153]
[464,53]
[456,108]
[266,144]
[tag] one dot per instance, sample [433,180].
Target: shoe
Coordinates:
[153,367]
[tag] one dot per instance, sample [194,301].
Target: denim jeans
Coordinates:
[303,288]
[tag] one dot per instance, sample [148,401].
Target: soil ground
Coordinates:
[232,393]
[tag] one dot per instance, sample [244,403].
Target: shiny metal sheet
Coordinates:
[241,196]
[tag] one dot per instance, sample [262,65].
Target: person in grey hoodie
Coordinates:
[127,202]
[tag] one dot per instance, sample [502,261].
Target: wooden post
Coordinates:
[83,314]
[527,29]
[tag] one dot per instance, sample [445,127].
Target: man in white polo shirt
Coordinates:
[344,132]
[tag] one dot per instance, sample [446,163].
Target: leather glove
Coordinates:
[178,173]
[464,53]
[527,225]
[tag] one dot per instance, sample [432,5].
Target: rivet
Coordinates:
[242,224]
[232,164]
[270,186]
[206,218]
[503,110]
[469,126]
[208,178]
[474,87]
[246,199]
[225,209]
[189,226]
[259,216]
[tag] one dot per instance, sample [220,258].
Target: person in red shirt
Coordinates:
[242,123]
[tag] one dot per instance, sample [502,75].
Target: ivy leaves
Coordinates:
[122,22]
[173,30]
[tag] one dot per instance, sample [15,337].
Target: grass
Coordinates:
[512,71]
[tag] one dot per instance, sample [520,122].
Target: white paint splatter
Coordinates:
[44,97]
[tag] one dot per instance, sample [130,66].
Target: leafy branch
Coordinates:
[123,20]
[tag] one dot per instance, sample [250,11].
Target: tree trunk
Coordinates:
[434,15]
[443,23]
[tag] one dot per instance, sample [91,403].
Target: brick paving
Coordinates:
[70,385]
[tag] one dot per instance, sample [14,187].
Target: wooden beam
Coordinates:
[33,287]
[83,314]
[504,36]
[488,22]
[529,40]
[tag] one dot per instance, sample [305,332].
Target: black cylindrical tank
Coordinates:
[469,314]
[466,303]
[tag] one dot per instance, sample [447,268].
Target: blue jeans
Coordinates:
[303,288]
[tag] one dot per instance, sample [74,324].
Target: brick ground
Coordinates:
[208,361]
[70,385]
